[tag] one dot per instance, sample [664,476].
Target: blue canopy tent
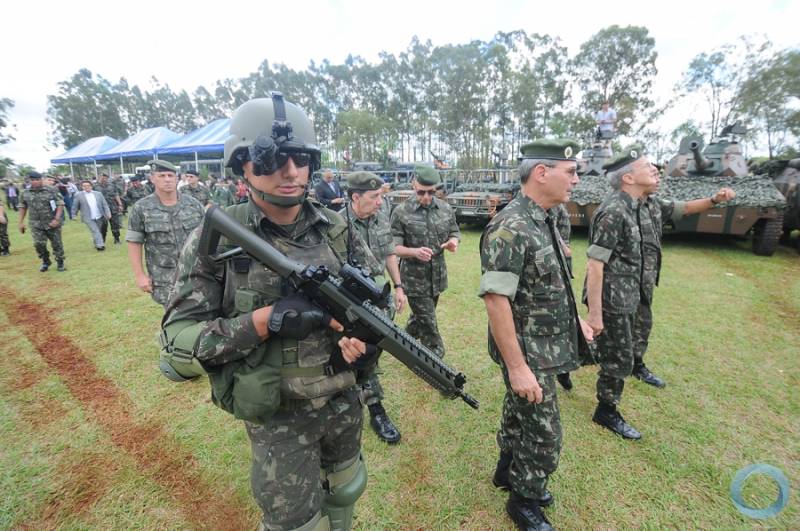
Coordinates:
[142,145]
[208,140]
[86,152]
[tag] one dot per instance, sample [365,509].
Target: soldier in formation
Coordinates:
[194,188]
[238,318]
[44,205]
[367,220]
[423,227]
[159,224]
[136,191]
[534,329]
[111,191]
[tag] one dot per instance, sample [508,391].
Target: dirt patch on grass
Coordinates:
[156,453]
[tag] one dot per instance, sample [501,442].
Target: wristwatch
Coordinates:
[713,202]
[398,286]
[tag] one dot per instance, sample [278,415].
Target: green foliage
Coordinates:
[617,64]
[5,105]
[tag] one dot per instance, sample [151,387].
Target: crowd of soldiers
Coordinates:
[257,340]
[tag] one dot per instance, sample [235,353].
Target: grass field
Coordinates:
[93,437]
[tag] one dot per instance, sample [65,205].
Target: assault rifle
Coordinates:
[352,298]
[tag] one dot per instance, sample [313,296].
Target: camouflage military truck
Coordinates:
[480,194]
[786,178]
[401,178]
[592,188]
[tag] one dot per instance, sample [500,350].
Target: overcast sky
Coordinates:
[187,44]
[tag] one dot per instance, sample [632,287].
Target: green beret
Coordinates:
[191,171]
[551,149]
[162,165]
[364,180]
[427,176]
[630,154]
[34,175]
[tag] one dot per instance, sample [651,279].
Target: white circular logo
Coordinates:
[634,154]
[568,152]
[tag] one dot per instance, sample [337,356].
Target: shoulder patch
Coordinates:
[503,234]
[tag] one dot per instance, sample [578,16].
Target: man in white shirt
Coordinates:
[606,120]
[93,208]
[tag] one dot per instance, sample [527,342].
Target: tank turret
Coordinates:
[700,162]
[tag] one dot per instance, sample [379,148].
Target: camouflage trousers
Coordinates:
[371,390]
[422,323]
[615,356]
[115,222]
[290,450]
[5,243]
[40,237]
[532,434]
[642,325]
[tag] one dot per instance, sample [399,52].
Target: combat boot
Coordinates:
[607,416]
[643,373]
[44,267]
[382,425]
[527,514]
[116,239]
[501,481]
[565,381]
[4,252]
[61,266]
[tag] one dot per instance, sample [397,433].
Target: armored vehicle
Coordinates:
[401,182]
[480,194]
[699,172]
[592,188]
[786,178]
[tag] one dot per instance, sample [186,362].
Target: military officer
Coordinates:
[110,191]
[136,191]
[613,286]
[194,188]
[221,195]
[655,211]
[366,219]
[423,227]
[159,224]
[45,204]
[307,471]
[534,328]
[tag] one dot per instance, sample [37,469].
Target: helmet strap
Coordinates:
[277,200]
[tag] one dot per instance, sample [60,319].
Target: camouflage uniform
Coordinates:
[414,225]
[615,239]
[41,204]
[163,231]
[134,194]
[318,426]
[199,192]
[522,259]
[369,246]
[110,191]
[564,228]
[654,211]
[222,196]
[5,244]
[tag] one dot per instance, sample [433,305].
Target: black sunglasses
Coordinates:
[301,160]
[422,193]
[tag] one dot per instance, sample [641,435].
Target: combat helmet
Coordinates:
[264,130]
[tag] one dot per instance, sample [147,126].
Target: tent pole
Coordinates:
[121,167]
[196,162]
[71,171]
[96,173]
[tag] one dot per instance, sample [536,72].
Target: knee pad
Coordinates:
[343,486]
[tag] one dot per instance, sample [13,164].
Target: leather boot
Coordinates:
[61,266]
[565,381]
[607,416]
[643,373]
[382,425]
[44,267]
[527,514]
[501,481]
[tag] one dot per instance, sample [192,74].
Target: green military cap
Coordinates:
[34,175]
[624,157]
[364,180]
[427,176]
[191,171]
[551,149]
[162,165]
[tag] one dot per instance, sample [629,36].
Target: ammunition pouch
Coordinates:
[177,361]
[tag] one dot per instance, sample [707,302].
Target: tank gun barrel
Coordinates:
[700,162]
[794,163]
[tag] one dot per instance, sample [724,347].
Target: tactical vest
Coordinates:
[279,373]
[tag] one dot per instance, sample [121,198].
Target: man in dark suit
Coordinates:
[328,192]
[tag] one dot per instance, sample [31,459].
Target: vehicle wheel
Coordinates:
[766,235]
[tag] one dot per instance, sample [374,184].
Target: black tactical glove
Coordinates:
[295,316]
